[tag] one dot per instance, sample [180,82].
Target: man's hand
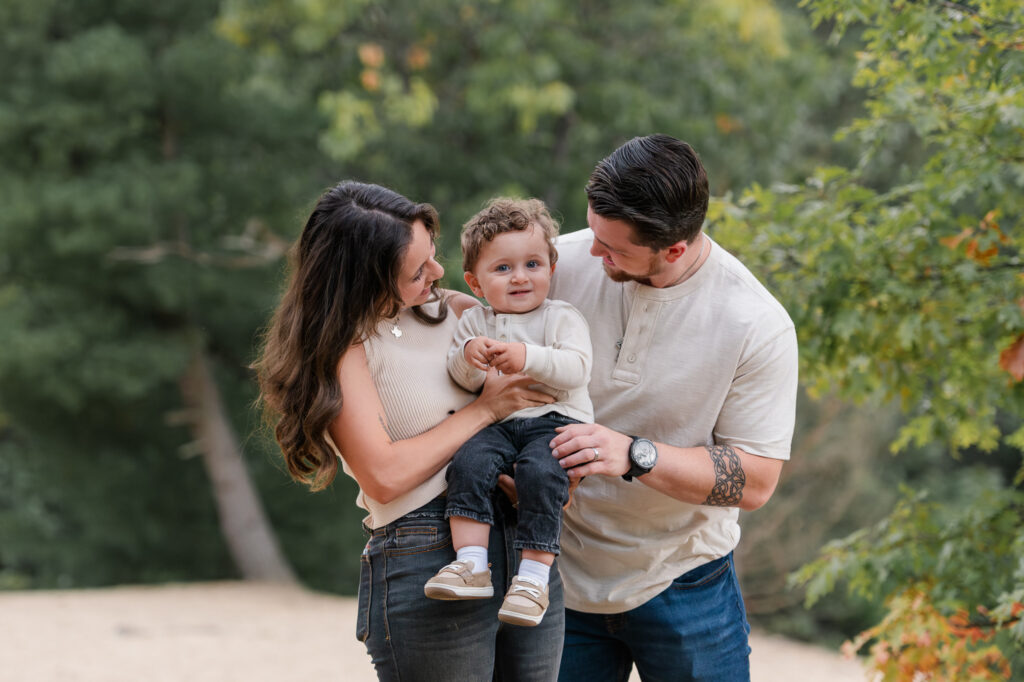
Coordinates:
[477,352]
[587,449]
[508,358]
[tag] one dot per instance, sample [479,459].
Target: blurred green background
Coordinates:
[157,160]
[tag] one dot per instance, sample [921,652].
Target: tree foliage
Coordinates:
[158,159]
[136,158]
[904,276]
[454,101]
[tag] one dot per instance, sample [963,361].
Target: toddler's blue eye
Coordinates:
[502,268]
[533,264]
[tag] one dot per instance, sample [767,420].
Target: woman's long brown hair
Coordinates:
[343,281]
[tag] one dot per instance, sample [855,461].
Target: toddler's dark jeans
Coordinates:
[541,484]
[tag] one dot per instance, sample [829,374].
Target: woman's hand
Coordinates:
[504,394]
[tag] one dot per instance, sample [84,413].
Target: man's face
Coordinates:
[623,260]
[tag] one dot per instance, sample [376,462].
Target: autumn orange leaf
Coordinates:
[371,55]
[370,79]
[1012,359]
[974,252]
[417,57]
[727,124]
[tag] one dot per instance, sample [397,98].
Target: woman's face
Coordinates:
[419,269]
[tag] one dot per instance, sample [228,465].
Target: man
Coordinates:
[694,389]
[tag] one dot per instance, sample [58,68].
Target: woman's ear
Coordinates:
[474,284]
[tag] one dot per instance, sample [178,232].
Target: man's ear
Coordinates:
[676,251]
[474,284]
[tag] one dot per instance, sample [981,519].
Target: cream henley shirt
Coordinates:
[710,360]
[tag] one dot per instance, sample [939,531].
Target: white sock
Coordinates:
[535,570]
[475,554]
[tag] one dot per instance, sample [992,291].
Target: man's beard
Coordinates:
[616,275]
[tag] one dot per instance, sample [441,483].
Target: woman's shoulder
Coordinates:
[459,302]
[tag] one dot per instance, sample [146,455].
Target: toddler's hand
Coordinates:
[508,358]
[477,352]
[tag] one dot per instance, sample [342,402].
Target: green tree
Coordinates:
[135,262]
[910,289]
[454,101]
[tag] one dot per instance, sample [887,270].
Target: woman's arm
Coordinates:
[387,469]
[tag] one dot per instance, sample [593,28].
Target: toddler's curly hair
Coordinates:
[504,214]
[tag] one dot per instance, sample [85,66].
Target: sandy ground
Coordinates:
[222,632]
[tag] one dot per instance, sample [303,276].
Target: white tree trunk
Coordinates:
[244,525]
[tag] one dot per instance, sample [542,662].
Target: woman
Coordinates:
[354,367]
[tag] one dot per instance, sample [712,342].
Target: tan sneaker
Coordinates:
[458,581]
[525,603]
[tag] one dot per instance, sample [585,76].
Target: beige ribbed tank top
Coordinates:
[411,375]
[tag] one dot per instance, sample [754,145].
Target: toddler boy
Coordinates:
[508,257]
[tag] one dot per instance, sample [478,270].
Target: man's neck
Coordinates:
[685,267]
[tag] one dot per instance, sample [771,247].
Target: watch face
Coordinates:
[644,453]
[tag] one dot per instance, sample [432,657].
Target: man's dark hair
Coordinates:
[655,183]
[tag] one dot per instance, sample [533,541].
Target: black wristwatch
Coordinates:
[642,458]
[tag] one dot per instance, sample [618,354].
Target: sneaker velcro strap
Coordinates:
[526,588]
[460,568]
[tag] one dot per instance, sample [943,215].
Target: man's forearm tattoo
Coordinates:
[729,477]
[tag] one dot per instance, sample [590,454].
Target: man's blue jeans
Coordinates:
[696,629]
[411,638]
[542,485]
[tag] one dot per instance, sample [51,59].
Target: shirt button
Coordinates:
[632,358]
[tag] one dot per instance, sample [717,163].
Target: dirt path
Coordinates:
[223,632]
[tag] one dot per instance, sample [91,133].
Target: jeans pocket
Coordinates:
[425,536]
[365,591]
[703,575]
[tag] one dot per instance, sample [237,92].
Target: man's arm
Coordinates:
[716,475]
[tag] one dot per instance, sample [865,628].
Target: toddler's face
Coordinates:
[513,271]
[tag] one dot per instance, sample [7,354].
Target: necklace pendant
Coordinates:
[396,331]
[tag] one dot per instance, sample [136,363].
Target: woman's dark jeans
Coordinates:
[541,483]
[411,638]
